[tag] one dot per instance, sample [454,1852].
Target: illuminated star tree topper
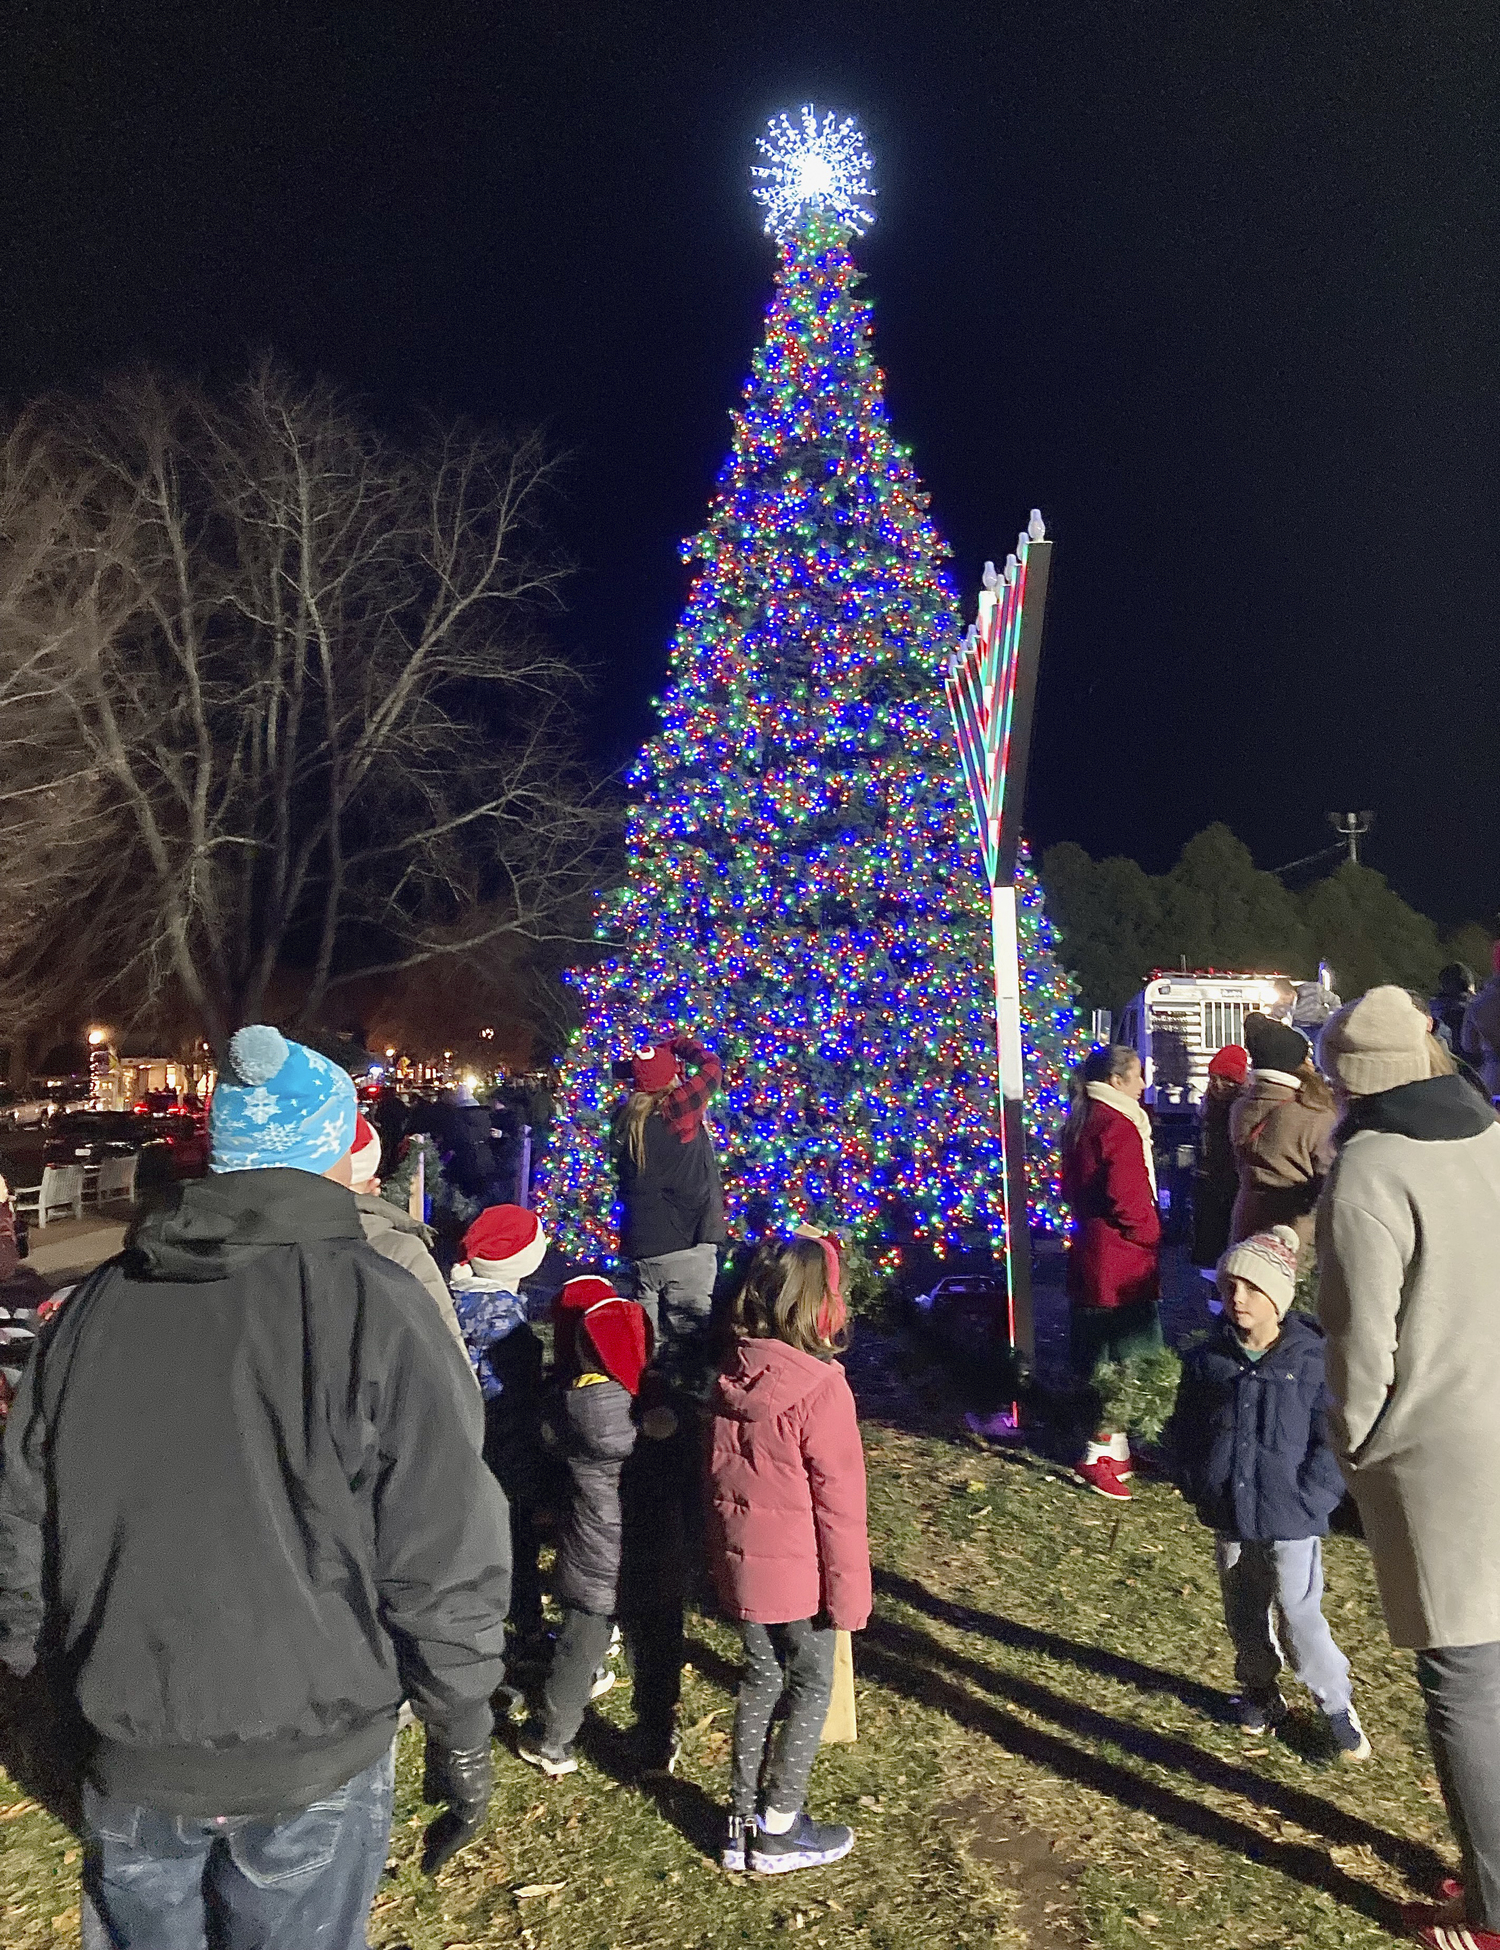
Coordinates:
[822,165]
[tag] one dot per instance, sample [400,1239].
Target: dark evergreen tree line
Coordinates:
[1216,909]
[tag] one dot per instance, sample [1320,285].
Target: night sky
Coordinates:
[1217,286]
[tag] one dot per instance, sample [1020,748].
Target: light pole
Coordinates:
[1351,828]
[991,691]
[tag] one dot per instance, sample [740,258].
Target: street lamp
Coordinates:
[1351,828]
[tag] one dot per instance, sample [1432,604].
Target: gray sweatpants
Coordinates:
[1461,1686]
[1286,1576]
[677,1292]
[796,1659]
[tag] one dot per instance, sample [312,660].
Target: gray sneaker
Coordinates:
[1350,1740]
[807,1844]
[553,1761]
[1258,1712]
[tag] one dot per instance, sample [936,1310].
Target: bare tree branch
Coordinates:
[274,696]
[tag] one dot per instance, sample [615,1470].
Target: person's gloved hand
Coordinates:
[463,1780]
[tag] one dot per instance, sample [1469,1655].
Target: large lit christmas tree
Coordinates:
[801,889]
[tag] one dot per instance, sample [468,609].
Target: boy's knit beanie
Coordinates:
[1376,1043]
[1267,1260]
[278,1103]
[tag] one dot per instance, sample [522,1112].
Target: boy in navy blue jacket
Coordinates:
[1250,1428]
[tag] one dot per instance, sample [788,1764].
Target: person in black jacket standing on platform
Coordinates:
[673,1201]
[243,1516]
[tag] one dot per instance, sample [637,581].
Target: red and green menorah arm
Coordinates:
[991,691]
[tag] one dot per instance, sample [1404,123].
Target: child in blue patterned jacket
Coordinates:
[504,1246]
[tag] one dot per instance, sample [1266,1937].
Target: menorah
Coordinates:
[991,689]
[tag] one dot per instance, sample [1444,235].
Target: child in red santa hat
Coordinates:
[504,1246]
[614,1558]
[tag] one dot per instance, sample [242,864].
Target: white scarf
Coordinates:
[1279,1076]
[1106,1093]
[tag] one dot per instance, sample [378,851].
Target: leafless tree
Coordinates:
[273,692]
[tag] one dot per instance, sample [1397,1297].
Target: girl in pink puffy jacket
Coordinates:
[787,1541]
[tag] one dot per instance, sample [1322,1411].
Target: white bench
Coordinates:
[61,1190]
[117,1178]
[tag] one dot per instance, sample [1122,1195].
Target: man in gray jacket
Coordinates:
[243,1514]
[1409,1295]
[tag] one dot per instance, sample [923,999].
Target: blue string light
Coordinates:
[800,887]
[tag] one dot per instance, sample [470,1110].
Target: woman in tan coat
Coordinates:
[1281,1130]
[1409,1297]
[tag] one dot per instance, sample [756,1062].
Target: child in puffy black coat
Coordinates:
[609,1528]
[1255,1455]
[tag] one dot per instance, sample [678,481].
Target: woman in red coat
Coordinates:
[1109,1181]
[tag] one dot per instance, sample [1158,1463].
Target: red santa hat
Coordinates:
[592,1322]
[364,1158]
[505,1242]
[653,1065]
[620,1336]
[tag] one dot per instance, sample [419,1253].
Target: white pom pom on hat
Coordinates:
[278,1104]
[257,1052]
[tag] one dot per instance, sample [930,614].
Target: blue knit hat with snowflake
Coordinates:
[278,1103]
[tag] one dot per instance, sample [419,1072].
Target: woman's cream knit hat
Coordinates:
[1376,1043]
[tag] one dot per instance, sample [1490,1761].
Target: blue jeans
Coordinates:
[1286,1576]
[299,1881]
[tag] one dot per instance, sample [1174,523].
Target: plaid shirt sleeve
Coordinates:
[684,1108]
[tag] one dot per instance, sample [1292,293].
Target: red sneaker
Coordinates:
[1457,1936]
[1103,1478]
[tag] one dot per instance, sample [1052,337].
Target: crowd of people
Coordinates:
[1368,1177]
[332,1519]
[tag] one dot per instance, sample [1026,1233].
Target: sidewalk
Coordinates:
[63,1252]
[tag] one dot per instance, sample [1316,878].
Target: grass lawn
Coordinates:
[1039,1760]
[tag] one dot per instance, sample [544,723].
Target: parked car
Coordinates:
[87,1137]
[23,1111]
[186,1135]
[967,1313]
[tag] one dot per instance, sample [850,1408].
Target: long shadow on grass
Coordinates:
[918,1666]
[1028,1638]
[691,1811]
